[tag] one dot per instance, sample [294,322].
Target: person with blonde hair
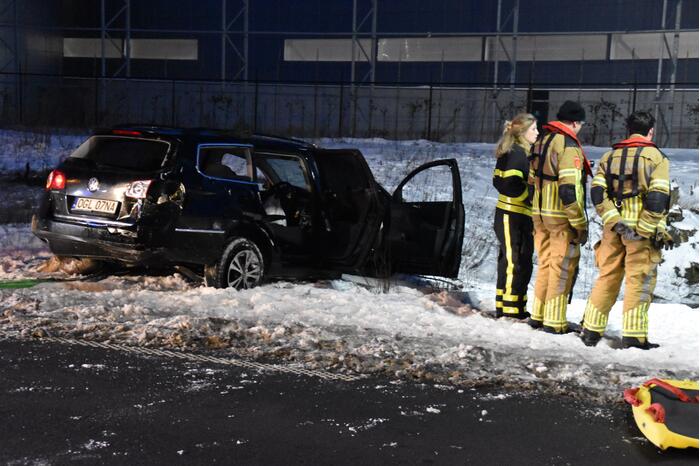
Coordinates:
[513,222]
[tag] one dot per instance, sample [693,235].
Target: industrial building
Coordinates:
[450,70]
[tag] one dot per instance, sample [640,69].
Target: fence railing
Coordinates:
[441,113]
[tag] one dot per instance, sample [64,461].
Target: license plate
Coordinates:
[95,205]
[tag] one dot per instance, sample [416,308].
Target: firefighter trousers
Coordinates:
[514,233]
[636,262]
[557,261]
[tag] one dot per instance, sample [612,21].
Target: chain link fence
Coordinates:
[438,113]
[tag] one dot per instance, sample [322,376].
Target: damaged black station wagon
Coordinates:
[244,208]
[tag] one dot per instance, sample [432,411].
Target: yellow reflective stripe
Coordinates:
[513,200]
[511,310]
[593,319]
[609,214]
[569,172]
[514,208]
[550,213]
[507,173]
[635,322]
[537,311]
[577,221]
[555,313]
[599,180]
[509,254]
[631,209]
[663,184]
[646,226]
[499,305]
[514,298]
[499,292]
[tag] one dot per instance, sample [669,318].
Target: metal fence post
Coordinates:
[430,111]
[173,104]
[96,118]
[340,111]
[354,110]
[398,97]
[255,105]
[315,127]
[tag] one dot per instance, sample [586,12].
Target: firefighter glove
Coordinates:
[581,236]
[626,232]
[664,240]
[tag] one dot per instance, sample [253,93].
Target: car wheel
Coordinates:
[241,266]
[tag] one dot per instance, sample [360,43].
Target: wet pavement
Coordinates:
[69,404]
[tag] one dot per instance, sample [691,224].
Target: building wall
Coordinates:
[450,100]
[282,19]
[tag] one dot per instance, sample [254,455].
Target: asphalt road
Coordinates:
[63,404]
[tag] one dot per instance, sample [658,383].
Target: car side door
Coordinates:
[351,209]
[426,227]
[220,190]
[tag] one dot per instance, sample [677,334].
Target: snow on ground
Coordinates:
[411,331]
[342,326]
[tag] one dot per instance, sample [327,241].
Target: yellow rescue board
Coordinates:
[650,416]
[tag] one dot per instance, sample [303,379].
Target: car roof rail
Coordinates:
[284,139]
[166,130]
[202,131]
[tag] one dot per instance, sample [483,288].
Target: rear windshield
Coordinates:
[123,152]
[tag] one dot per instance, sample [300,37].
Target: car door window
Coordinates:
[225,162]
[431,185]
[283,169]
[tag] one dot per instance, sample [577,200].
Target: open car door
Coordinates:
[352,212]
[427,221]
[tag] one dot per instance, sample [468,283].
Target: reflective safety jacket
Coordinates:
[510,180]
[558,171]
[632,186]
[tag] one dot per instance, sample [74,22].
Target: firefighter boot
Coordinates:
[636,342]
[590,338]
[536,324]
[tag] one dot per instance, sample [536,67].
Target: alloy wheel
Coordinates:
[245,270]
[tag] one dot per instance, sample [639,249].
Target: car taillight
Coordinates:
[126,132]
[56,180]
[138,189]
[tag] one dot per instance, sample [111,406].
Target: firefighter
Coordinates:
[558,171]
[513,222]
[631,193]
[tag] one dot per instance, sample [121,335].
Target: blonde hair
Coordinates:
[513,131]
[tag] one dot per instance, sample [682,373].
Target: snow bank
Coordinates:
[341,326]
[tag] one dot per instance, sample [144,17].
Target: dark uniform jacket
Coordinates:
[510,180]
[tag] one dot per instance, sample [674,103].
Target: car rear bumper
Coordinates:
[69,239]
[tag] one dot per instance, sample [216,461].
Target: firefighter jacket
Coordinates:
[632,186]
[510,180]
[558,171]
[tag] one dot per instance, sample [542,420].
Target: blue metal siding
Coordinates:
[394,16]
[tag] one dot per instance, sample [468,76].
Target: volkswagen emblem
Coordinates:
[93,185]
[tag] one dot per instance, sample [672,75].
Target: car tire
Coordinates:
[241,266]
